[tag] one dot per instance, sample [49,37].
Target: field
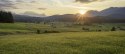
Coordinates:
[21,38]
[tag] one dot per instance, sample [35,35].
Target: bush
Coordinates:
[123,29]
[38,31]
[51,31]
[113,29]
[99,30]
[85,28]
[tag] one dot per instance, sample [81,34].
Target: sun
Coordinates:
[81,16]
[81,12]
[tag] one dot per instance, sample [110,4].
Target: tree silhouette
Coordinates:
[113,29]
[6,17]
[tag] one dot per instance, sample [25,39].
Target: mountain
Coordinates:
[26,18]
[30,13]
[92,13]
[115,12]
[53,18]
[63,18]
[109,15]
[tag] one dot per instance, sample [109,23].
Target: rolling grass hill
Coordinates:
[64,43]
[21,38]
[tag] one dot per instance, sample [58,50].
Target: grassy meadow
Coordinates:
[21,38]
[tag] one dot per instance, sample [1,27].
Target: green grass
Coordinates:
[31,27]
[21,38]
[20,26]
[64,43]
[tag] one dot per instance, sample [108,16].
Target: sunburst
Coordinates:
[81,12]
[80,16]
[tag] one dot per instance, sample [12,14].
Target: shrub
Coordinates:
[38,31]
[99,30]
[51,31]
[122,29]
[85,29]
[113,29]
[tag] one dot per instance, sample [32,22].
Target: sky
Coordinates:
[57,7]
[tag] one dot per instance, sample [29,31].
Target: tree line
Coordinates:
[6,17]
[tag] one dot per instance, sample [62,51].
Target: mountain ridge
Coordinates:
[107,12]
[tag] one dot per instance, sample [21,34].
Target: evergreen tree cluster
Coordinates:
[6,17]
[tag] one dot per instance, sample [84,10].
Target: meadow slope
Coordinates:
[64,43]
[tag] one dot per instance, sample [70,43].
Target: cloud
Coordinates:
[42,8]
[87,1]
[31,13]
[19,1]
[33,2]
[6,4]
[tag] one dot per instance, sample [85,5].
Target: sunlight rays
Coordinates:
[81,12]
[80,16]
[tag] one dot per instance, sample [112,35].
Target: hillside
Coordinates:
[110,15]
[26,18]
[64,43]
[115,12]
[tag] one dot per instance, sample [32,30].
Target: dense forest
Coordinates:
[6,17]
